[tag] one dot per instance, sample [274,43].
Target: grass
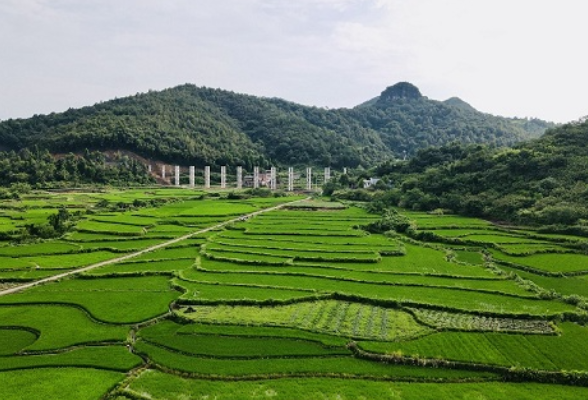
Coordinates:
[293,245]
[468,322]
[27,274]
[125,219]
[528,351]
[115,300]
[496,238]
[565,285]
[59,326]
[218,292]
[452,298]
[308,253]
[496,284]
[165,254]
[144,266]
[334,365]
[77,236]
[314,204]
[367,240]
[7,225]
[238,346]
[455,233]
[530,248]
[469,257]
[57,383]
[262,230]
[109,228]
[175,229]
[262,331]
[51,247]
[425,221]
[292,289]
[247,258]
[554,263]
[158,386]
[201,208]
[126,245]
[115,358]
[65,261]
[14,340]
[419,259]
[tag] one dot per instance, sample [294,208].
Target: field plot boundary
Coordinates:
[19,288]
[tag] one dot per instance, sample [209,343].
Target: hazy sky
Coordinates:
[523,58]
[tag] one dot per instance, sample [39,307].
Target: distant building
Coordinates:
[265,179]
[367,183]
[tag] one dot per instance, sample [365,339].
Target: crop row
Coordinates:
[156,384]
[64,261]
[283,367]
[334,317]
[430,297]
[203,292]
[116,358]
[495,285]
[468,322]
[301,246]
[548,263]
[569,350]
[228,346]
[365,257]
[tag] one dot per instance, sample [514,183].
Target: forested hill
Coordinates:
[199,126]
[543,181]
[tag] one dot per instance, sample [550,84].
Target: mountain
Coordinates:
[541,182]
[408,121]
[459,103]
[190,125]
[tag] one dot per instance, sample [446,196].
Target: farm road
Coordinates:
[18,288]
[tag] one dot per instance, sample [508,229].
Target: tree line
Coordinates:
[540,182]
[39,168]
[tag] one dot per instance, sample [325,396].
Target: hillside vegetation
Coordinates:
[543,181]
[202,126]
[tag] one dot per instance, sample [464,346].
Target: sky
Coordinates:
[523,58]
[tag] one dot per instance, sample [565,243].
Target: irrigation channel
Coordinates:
[16,289]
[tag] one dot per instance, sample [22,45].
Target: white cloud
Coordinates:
[518,57]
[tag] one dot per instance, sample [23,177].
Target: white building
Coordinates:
[370,182]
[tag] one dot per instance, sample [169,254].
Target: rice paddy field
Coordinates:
[175,294]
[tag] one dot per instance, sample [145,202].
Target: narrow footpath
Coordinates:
[28,285]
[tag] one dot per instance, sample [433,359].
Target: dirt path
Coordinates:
[138,253]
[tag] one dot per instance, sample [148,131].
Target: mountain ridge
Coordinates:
[204,126]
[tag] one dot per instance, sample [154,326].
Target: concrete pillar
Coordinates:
[308,178]
[192,176]
[255,177]
[163,171]
[239,177]
[274,179]
[327,174]
[207,177]
[177,175]
[223,177]
[290,179]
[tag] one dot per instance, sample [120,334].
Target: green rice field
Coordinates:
[187,299]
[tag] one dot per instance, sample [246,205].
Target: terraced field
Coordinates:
[294,303]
